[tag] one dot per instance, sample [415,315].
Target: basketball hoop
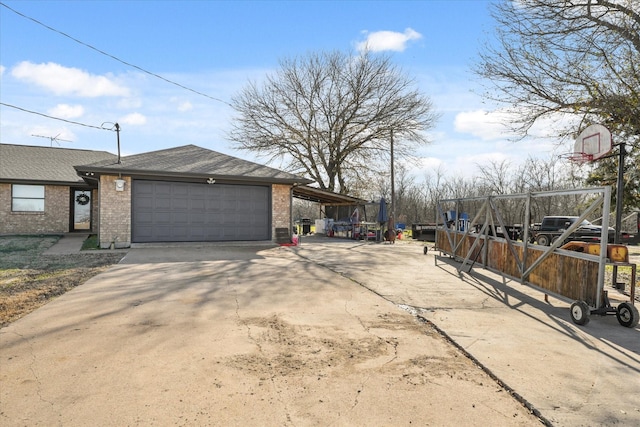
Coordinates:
[593,143]
[580,158]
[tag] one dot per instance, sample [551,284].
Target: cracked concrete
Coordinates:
[247,336]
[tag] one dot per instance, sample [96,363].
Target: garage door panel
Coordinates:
[145,232]
[160,218]
[197,218]
[197,205]
[179,218]
[162,203]
[145,201]
[177,211]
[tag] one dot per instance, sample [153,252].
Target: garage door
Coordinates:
[187,212]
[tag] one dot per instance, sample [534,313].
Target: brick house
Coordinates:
[181,194]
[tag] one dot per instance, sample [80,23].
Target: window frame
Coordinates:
[40,208]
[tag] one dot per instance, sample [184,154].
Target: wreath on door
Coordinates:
[82,199]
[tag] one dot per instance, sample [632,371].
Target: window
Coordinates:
[27,198]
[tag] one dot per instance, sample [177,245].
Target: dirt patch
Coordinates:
[286,350]
[29,279]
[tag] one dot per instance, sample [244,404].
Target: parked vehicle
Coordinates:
[552,227]
[425,232]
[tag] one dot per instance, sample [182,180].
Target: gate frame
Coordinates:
[490,210]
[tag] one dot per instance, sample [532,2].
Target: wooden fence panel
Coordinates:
[560,273]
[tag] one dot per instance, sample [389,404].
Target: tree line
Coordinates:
[416,197]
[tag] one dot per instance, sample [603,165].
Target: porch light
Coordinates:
[120,184]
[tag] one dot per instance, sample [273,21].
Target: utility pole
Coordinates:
[118,136]
[393,186]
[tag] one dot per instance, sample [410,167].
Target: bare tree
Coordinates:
[330,116]
[496,177]
[579,57]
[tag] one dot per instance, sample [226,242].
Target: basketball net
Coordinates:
[580,158]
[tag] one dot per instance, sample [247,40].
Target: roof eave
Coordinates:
[136,173]
[325,197]
[25,181]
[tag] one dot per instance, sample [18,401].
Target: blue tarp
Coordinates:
[382,212]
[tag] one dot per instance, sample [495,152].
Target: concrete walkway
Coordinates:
[70,243]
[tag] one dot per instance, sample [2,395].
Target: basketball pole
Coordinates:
[619,205]
[620,192]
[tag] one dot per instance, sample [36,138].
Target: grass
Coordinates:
[29,279]
[23,251]
[91,243]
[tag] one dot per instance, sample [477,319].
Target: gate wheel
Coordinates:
[579,312]
[426,249]
[627,315]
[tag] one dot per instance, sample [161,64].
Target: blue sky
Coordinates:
[216,47]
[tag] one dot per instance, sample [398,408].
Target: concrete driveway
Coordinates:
[574,375]
[322,334]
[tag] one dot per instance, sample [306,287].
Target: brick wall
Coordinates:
[280,208]
[54,219]
[95,211]
[115,213]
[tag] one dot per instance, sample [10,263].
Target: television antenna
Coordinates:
[53,139]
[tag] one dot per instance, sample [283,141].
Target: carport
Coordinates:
[332,205]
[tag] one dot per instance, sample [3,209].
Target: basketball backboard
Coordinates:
[593,143]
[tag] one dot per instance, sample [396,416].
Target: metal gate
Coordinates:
[486,240]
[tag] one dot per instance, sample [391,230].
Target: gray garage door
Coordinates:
[186,212]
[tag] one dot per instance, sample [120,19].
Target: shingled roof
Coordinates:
[191,161]
[25,163]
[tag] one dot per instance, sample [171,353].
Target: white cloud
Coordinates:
[429,164]
[181,106]
[2,70]
[68,81]
[487,125]
[185,106]
[66,111]
[484,159]
[129,103]
[133,119]
[388,40]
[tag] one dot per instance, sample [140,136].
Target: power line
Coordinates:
[114,57]
[54,118]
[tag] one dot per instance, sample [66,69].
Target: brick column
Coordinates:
[115,213]
[280,208]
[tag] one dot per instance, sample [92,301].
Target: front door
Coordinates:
[81,210]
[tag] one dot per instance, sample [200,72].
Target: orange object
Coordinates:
[615,253]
